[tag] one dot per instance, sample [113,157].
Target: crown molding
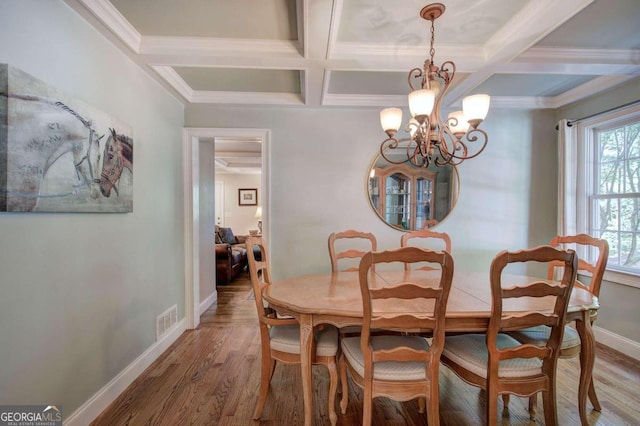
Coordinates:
[590,88]
[115,22]
[174,80]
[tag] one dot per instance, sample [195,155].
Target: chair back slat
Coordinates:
[403,322]
[509,323]
[384,307]
[524,351]
[405,291]
[586,242]
[536,289]
[425,234]
[365,239]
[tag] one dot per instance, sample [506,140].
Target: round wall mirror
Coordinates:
[406,197]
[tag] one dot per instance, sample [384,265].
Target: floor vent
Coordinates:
[165,321]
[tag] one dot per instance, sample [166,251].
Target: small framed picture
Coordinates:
[247,197]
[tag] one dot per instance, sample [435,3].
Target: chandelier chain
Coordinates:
[432,52]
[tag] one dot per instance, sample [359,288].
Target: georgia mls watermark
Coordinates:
[30,415]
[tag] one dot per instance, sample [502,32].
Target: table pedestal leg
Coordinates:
[306,346]
[587,360]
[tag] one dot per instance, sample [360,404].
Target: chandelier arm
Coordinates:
[418,74]
[444,70]
[421,157]
[390,144]
[472,137]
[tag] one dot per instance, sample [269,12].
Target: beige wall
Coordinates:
[239,218]
[80,292]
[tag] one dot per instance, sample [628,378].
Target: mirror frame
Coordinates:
[454,201]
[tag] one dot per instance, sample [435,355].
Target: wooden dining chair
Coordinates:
[498,363]
[280,337]
[360,243]
[402,367]
[425,234]
[570,346]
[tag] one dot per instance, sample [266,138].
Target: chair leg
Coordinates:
[333,387]
[367,404]
[533,402]
[433,403]
[549,404]
[593,397]
[266,371]
[345,386]
[492,409]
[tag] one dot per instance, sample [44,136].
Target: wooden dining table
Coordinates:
[335,298]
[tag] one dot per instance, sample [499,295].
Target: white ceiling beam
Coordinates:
[537,19]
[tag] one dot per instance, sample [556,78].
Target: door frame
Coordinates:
[192,136]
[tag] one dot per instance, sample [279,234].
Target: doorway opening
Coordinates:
[199,229]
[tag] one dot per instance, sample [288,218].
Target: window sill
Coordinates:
[623,278]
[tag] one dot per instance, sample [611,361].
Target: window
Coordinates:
[608,187]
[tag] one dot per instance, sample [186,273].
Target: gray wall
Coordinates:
[81,292]
[619,311]
[319,165]
[206,218]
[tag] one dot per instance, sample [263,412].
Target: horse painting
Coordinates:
[47,131]
[51,147]
[118,155]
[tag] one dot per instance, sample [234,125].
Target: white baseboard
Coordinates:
[620,343]
[206,303]
[105,396]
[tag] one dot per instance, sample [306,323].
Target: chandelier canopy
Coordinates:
[430,138]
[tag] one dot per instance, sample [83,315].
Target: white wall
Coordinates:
[239,218]
[81,292]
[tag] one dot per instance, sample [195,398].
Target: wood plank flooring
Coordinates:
[210,376]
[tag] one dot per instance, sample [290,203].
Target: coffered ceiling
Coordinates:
[357,53]
[525,53]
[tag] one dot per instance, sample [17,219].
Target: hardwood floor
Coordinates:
[210,376]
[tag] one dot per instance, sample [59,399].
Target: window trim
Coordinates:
[585,181]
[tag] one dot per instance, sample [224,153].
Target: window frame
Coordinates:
[587,173]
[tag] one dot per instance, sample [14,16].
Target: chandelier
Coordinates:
[430,138]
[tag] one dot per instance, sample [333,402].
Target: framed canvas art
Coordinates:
[248,197]
[58,154]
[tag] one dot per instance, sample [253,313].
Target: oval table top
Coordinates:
[335,297]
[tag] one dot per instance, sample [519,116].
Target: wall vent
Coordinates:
[165,321]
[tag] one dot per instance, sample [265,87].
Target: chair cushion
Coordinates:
[539,335]
[470,352]
[387,370]
[286,338]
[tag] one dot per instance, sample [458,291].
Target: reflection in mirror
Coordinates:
[407,197]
